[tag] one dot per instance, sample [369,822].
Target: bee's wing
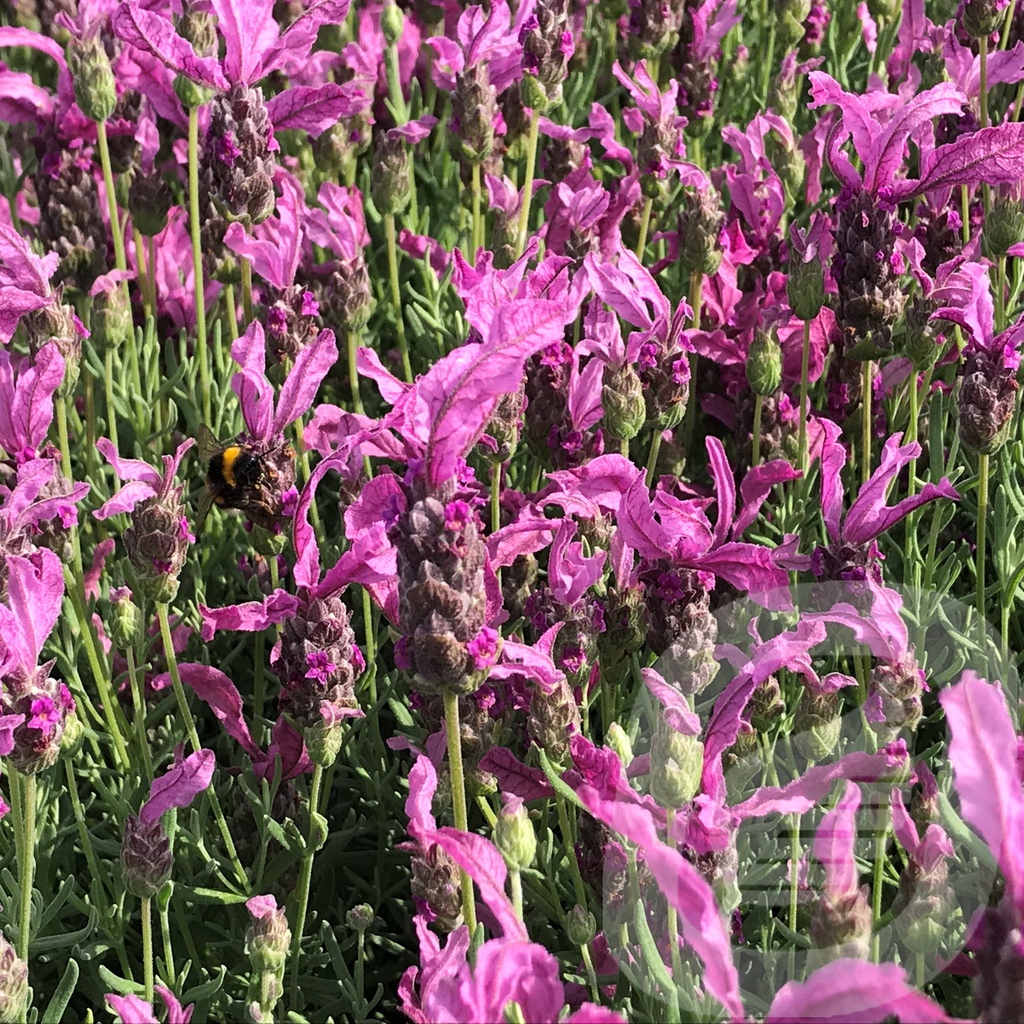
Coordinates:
[207,445]
[205,503]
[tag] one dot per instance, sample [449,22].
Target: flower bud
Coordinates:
[618,739]
[514,835]
[360,917]
[1003,227]
[920,345]
[146,859]
[73,737]
[111,318]
[535,96]
[817,725]
[700,220]
[840,928]
[437,882]
[676,764]
[149,202]
[198,28]
[580,926]
[58,323]
[95,88]
[764,364]
[805,288]
[191,94]
[13,985]
[980,17]
[766,704]
[392,23]
[622,398]
[268,938]
[390,186]
[923,923]
[45,705]
[986,398]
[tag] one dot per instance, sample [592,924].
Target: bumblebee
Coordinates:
[251,476]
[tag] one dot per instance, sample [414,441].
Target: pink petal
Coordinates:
[834,843]
[179,785]
[213,686]
[250,617]
[983,752]
[304,379]
[312,108]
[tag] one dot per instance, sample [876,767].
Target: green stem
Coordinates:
[495,494]
[151,248]
[231,311]
[881,835]
[914,397]
[108,186]
[247,290]
[1007,25]
[755,439]
[531,162]
[302,902]
[145,286]
[197,260]
[459,809]
[673,922]
[1000,293]
[516,880]
[86,840]
[139,705]
[165,933]
[476,236]
[983,84]
[865,408]
[27,862]
[794,885]
[108,374]
[394,77]
[652,457]
[396,294]
[147,947]
[805,370]
[353,372]
[193,735]
[645,224]
[570,850]
[979,563]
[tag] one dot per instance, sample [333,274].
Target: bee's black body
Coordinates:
[245,476]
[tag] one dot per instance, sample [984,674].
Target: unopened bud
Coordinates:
[392,23]
[95,88]
[13,985]
[676,764]
[618,739]
[580,926]
[764,364]
[125,620]
[805,288]
[1003,227]
[514,835]
[268,937]
[74,736]
[146,859]
[390,186]
[817,725]
[111,318]
[360,917]
[149,202]
[191,94]
[980,17]
[622,398]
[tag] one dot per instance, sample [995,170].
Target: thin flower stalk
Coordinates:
[313,841]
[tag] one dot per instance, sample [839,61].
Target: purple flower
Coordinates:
[133,1010]
[143,481]
[254,48]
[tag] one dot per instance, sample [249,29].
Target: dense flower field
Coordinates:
[511,513]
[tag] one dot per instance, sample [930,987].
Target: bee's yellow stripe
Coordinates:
[228,460]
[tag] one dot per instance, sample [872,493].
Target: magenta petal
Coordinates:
[513,776]
[677,711]
[983,752]
[155,34]
[480,859]
[131,1009]
[304,379]
[179,785]
[8,723]
[725,488]
[176,1013]
[35,591]
[757,485]
[312,108]
[702,924]
[459,393]
[249,30]
[853,992]
[297,40]
[213,686]
[800,795]
[251,385]
[590,1013]
[128,469]
[834,843]
[250,617]
[286,744]
[125,500]
[418,804]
